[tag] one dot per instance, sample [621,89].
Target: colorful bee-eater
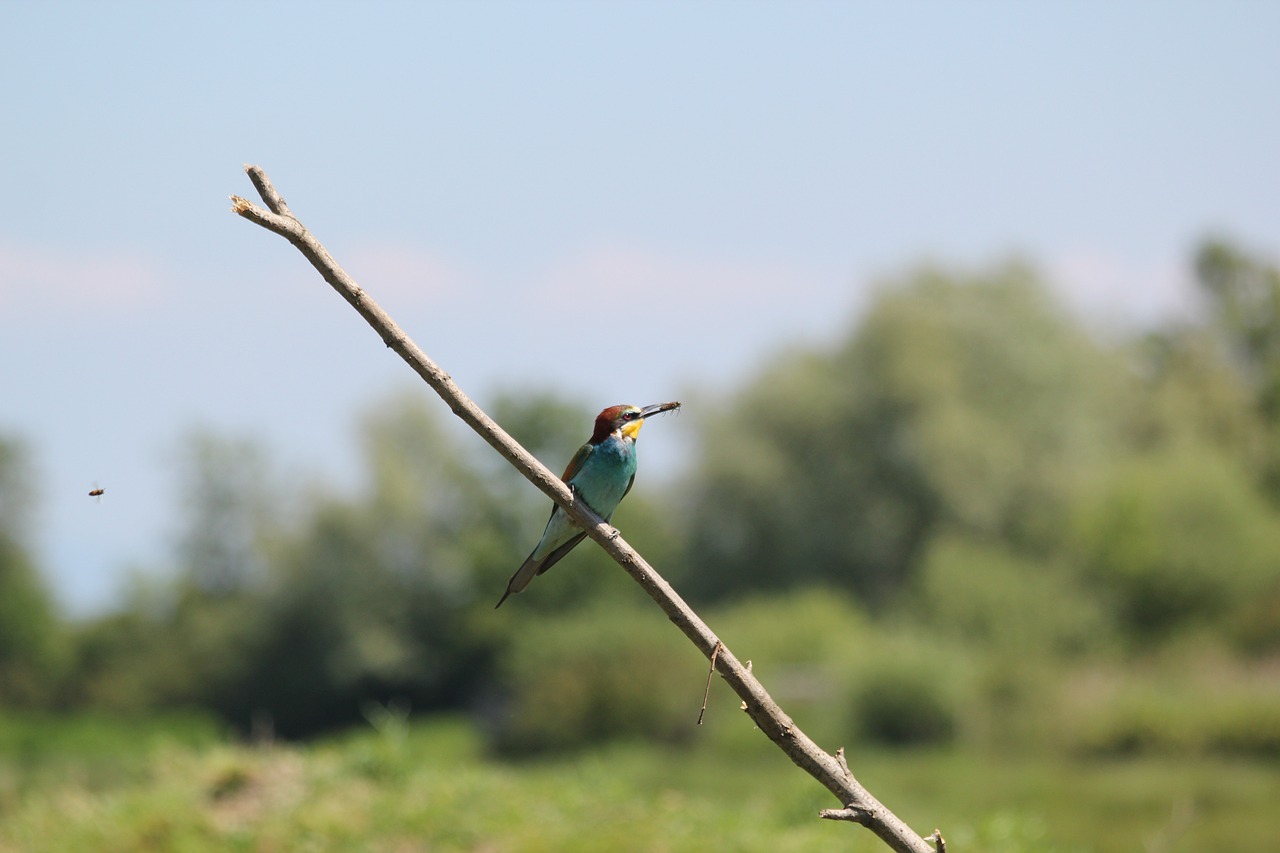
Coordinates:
[600,473]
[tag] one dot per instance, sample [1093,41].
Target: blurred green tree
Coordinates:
[971,402]
[1244,298]
[303,607]
[1189,394]
[227,510]
[967,456]
[1178,540]
[982,592]
[32,642]
[603,671]
[380,597]
[184,636]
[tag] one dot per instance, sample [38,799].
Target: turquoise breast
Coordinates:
[606,474]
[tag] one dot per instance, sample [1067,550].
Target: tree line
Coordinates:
[968,462]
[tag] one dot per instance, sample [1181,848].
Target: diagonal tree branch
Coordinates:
[831,771]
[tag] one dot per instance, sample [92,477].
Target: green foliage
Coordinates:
[295,625]
[40,739]
[899,706]
[1189,394]
[379,598]
[32,643]
[32,647]
[40,750]
[1181,719]
[808,646]
[227,510]
[812,626]
[1178,539]
[1005,400]
[973,403]
[184,641]
[296,610]
[16,491]
[913,532]
[1244,296]
[1255,627]
[1047,566]
[797,486]
[983,593]
[845,679]
[349,793]
[602,673]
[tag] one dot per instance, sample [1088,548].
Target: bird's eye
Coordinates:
[629,416]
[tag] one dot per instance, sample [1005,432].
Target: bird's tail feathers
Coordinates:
[536,565]
[521,579]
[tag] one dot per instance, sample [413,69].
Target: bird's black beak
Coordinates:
[659,408]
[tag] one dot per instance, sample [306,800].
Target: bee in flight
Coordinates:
[97,493]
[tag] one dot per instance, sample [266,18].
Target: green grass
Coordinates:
[430,786]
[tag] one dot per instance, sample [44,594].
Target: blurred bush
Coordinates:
[610,672]
[1243,292]
[303,605]
[845,678]
[33,648]
[1177,540]
[1179,721]
[807,646]
[984,593]
[601,673]
[969,403]
[901,705]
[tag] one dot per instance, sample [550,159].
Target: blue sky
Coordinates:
[707,182]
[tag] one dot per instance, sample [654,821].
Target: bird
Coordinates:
[600,473]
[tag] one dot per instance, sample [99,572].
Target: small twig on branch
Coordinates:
[843,762]
[939,843]
[712,671]
[771,720]
[851,814]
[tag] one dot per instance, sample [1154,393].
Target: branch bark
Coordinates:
[832,772]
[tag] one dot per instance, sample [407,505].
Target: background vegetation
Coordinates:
[1029,575]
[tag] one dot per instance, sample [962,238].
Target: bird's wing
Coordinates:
[533,566]
[554,556]
[539,560]
[575,464]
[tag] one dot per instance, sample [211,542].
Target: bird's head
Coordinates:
[626,420]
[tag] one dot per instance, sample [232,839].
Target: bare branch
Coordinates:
[758,704]
[268,192]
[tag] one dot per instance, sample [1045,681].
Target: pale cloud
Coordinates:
[1114,290]
[405,272]
[680,282]
[646,316]
[41,279]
